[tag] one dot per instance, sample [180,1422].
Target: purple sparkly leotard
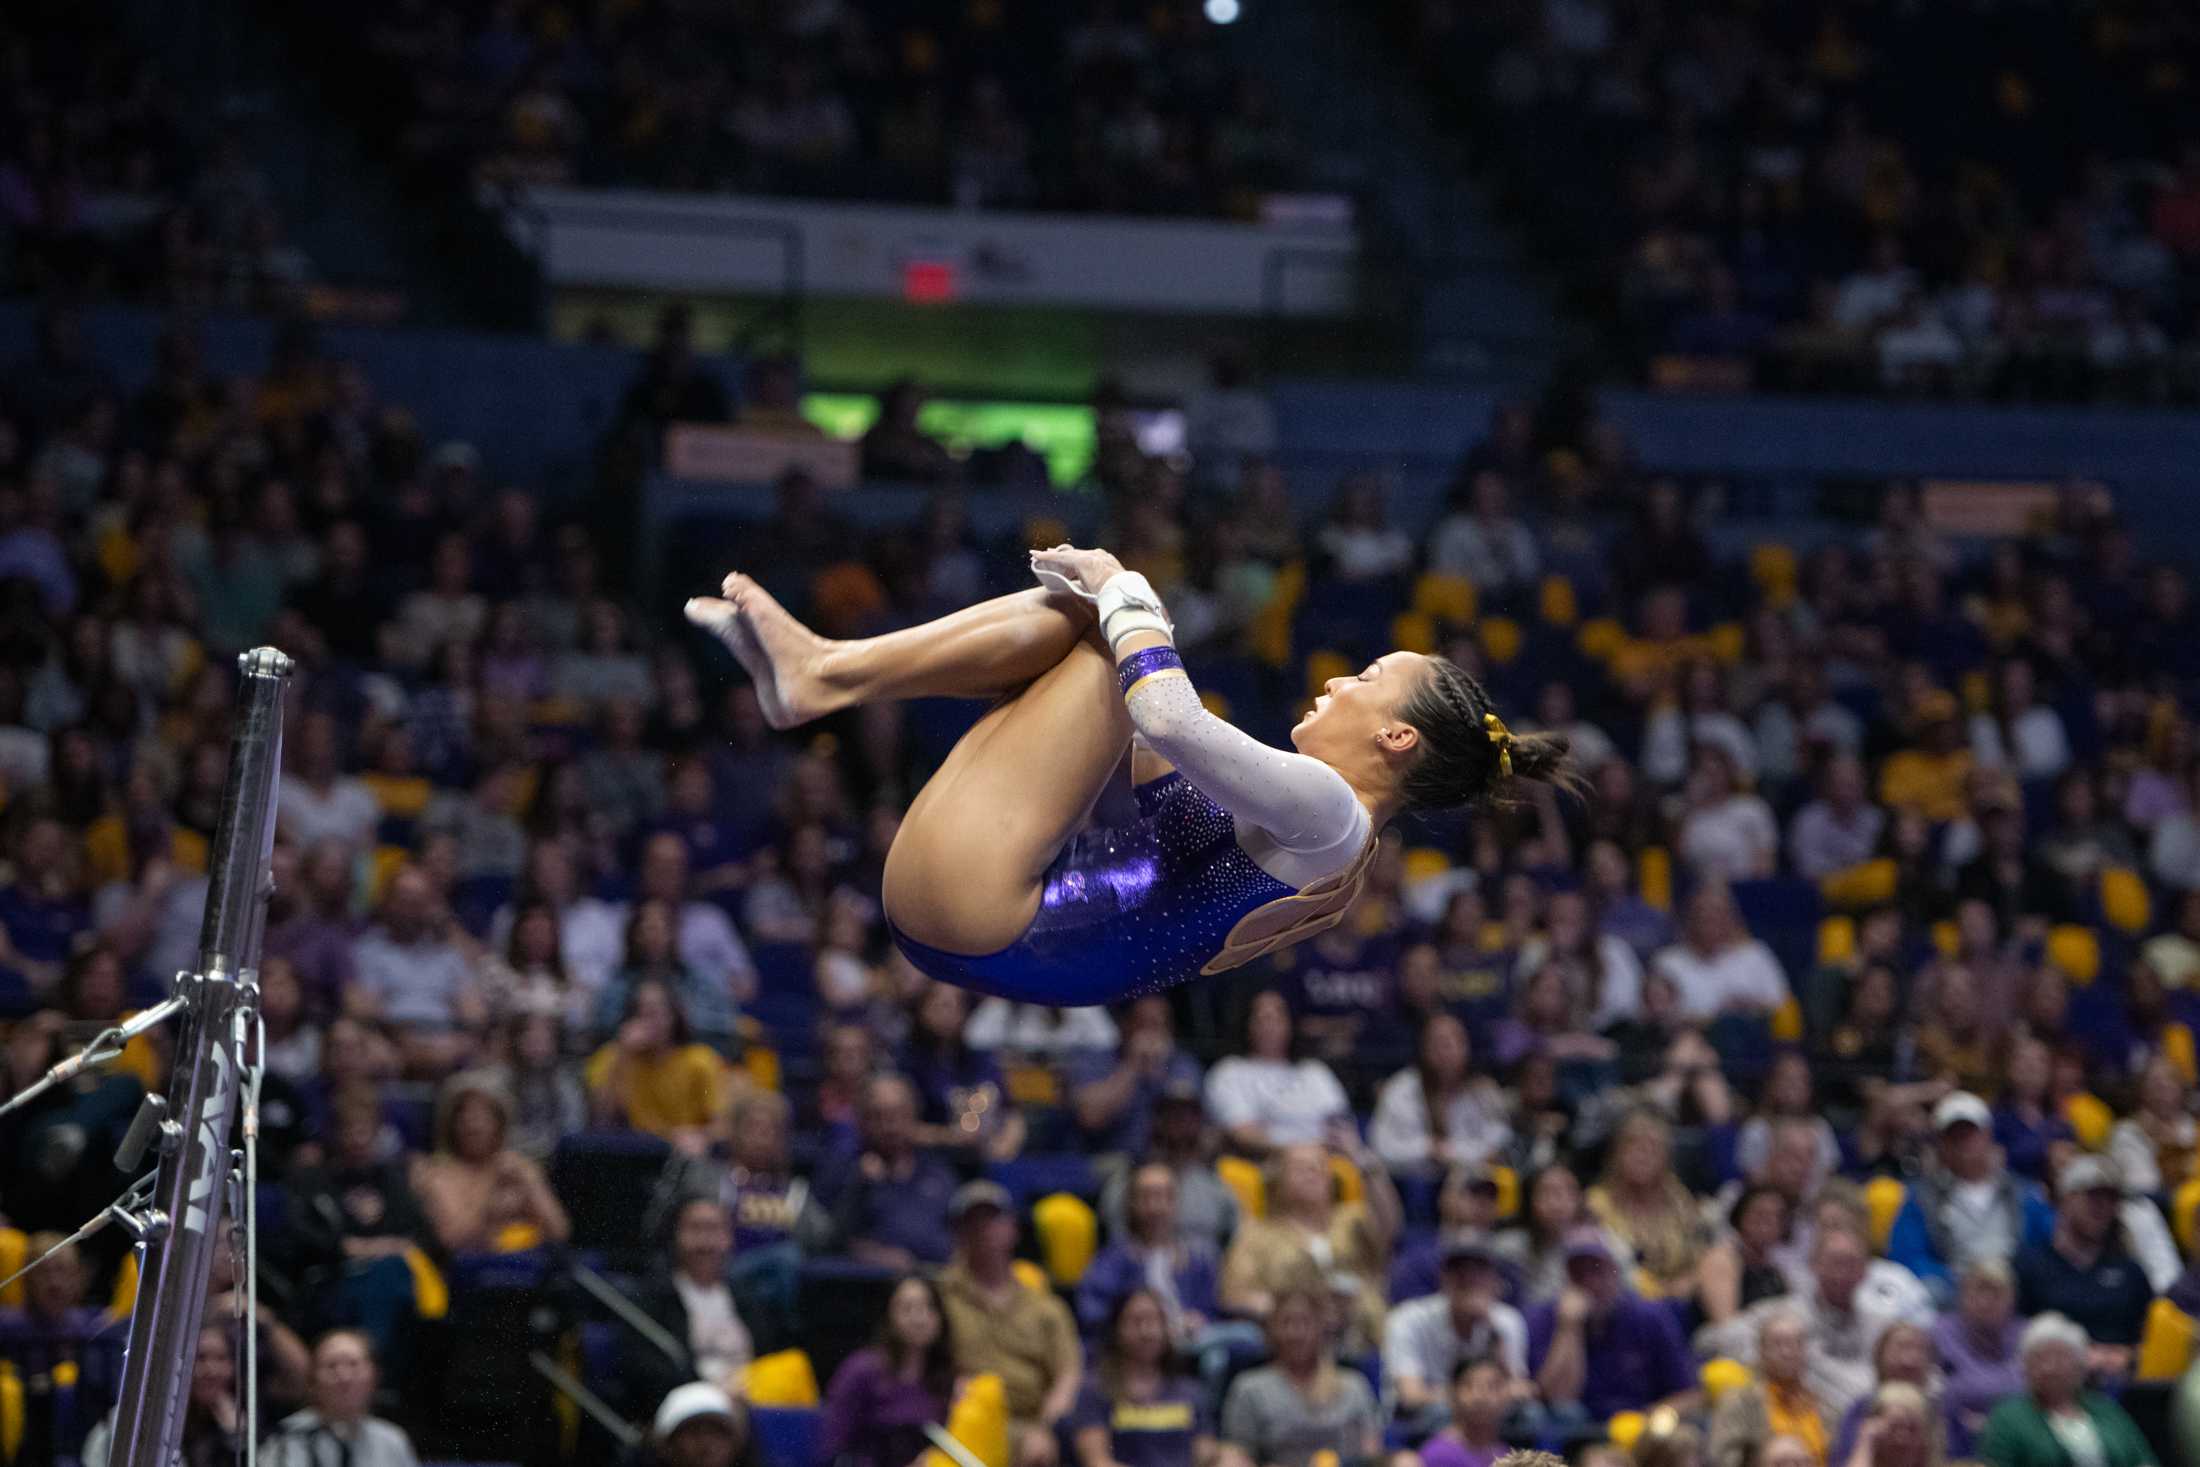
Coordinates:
[1129,909]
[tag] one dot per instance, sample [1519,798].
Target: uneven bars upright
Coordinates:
[176,1251]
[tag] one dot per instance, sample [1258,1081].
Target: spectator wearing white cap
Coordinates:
[697,1425]
[2083,1270]
[2057,1422]
[1966,1204]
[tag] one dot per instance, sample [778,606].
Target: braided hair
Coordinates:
[1467,755]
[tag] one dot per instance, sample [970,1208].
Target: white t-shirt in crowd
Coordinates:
[1746,973]
[1291,1102]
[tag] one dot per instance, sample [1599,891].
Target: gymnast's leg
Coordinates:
[967,865]
[981,651]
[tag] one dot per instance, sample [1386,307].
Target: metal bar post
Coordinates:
[177,1254]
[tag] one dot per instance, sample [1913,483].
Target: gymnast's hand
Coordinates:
[1086,571]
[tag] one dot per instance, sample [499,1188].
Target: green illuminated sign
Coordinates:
[1060,433]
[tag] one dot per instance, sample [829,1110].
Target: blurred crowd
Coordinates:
[1993,199]
[104,190]
[924,102]
[1819,1089]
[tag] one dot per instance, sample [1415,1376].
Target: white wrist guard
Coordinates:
[1128,605]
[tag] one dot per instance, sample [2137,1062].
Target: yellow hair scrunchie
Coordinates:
[1502,737]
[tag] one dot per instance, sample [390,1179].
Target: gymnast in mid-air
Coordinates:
[1000,881]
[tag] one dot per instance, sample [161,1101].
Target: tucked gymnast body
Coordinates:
[1000,881]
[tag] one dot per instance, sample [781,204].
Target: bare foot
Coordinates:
[781,655]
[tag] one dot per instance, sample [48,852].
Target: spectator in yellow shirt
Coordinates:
[1930,776]
[653,1077]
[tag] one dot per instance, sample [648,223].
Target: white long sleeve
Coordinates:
[1301,804]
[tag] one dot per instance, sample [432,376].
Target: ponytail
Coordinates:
[1467,755]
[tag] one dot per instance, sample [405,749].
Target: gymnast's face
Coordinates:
[1359,712]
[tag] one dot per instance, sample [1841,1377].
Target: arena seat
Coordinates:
[1068,1233]
[2076,951]
[2125,904]
[2166,1346]
[1557,602]
[1028,1177]
[786,1436]
[1445,598]
[1884,1197]
[1246,1183]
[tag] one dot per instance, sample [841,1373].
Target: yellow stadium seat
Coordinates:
[517,1237]
[1030,1275]
[1883,1197]
[760,1065]
[1721,1376]
[2177,1049]
[1947,938]
[1787,1021]
[1270,634]
[2124,900]
[11,1410]
[2184,1215]
[1976,693]
[1501,639]
[979,1420]
[2076,951]
[1654,874]
[2090,1118]
[1774,570]
[1508,1190]
[1425,863]
[1033,1085]
[1836,940]
[1600,638]
[1866,884]
[1216,704]
[1625,1428]
[1446,598]
[15,1250]
[2166,1347]
[1245,1182]
[786,1378]
[124,1298]
[1351,1186]
[1557,603]
[1069,1234]
[1322,666]
[1413,631]
[1728,641]
[381,867]
[431,1293]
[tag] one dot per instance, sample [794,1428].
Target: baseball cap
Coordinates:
[972,1195]
[2088,1173]
[1466,1245]
[1182,1089]
[693,1402]
[1959,1107]
[1588,1241]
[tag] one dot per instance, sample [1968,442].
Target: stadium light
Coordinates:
[1222,12]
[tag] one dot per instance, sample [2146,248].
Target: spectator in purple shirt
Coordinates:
[1154,1256]
[1113,1096]
[1134,1411]
[882,1397]
[314,928]
[1481,1393]
[1977,1344]
[890,1204]
[1598,1349]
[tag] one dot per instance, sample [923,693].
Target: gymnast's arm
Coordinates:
[1303,804]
